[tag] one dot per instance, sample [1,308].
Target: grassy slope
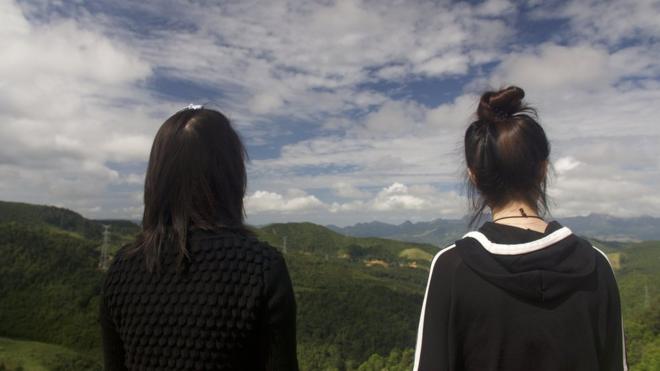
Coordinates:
[35,356]
[416,254]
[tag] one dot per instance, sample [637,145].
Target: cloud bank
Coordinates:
[352,110]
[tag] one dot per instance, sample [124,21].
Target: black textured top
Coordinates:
[231,307]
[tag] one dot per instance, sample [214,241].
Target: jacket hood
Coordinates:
[533,265]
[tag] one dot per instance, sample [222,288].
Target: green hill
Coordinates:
[639,278]
[343,300]
[49,286]
[347,311]
[50,216]
[315,239]
[60,219]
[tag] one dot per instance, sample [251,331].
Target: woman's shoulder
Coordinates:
[204,246]
[236,244]
[245,253]
[446,260]
[125,255]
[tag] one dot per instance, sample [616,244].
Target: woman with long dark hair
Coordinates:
[520,293]
[196,291]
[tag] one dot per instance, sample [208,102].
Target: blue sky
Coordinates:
[351,110]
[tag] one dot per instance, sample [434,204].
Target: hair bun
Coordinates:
[497,105]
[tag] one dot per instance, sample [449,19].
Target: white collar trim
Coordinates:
[522,248]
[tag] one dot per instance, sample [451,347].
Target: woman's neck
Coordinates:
[519,214]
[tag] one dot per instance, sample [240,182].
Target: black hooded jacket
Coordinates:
[506,298]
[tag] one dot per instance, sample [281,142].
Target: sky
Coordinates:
[351,111]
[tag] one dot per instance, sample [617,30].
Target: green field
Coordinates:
[416,254]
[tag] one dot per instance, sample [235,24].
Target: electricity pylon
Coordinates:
[104,258]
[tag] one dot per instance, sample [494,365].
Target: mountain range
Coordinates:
[442,232]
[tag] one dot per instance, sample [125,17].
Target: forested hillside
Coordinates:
[49,289]
[60,219]
[358,298]
[317,240]
[49,216]
[639,283]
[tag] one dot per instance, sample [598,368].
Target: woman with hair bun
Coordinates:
[521,292]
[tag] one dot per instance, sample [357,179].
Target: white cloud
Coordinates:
[123,147]
[597,123]
[70,102]
[456,64]
[555,67]
[264,201]
[78,120]
[551,67]
[133,179]
[305,58]
[265,102]
[397,197]
[393,118]
[584,195]
[635,61]
[495,7]
[452,118]
[566,164]
[394,202]
[400,141]
[348,190]
[393,72]
[611,21]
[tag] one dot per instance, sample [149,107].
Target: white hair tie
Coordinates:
[194,106]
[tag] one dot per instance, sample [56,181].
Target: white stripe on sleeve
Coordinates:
[420,329]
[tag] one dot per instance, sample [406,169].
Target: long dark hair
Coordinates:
[507,152]
[196,178]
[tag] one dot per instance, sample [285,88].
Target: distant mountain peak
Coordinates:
[441,231]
